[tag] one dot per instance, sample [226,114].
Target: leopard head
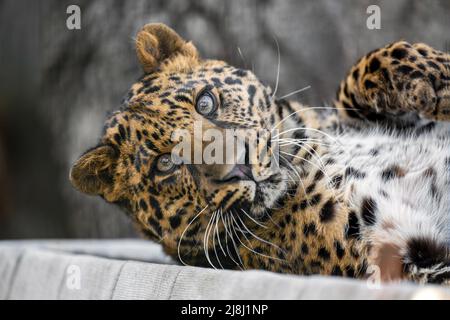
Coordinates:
[172,199]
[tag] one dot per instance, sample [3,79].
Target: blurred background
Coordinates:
[56,85]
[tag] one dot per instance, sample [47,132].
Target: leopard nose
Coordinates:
[239,172]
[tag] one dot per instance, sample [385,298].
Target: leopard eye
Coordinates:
[164,163]
[206,103]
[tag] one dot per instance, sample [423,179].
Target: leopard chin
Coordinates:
[268,194]
[263,196]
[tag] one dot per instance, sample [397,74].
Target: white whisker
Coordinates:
[216,216]
[308,129]
[278,69]
[184,231]
[316,166]
[251,249]
[254,220]
[260,239]
[294,169]
[206,241]
[242,57]
[218,235]
[295,92]
[230,235]
[234,243]
[226,240]
[302,142]
[301,110]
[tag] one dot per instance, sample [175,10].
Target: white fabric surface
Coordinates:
[41,270]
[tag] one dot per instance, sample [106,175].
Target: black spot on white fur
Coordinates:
[424,252]
[368,210]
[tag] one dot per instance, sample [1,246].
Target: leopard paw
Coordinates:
[406,78]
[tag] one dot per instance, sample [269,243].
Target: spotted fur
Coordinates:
[364,186]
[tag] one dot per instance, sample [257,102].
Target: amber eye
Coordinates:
[206,103]
[164,163]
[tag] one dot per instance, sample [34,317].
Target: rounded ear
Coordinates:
[92,173]
[156,43]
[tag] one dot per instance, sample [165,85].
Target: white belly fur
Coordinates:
[418,203]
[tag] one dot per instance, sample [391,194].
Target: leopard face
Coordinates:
[133,165]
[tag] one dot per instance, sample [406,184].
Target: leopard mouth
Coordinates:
[264,194]
[268,193]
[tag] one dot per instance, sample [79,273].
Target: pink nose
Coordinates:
[241,172]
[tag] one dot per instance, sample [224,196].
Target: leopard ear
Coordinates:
[92,172]
[156,44]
